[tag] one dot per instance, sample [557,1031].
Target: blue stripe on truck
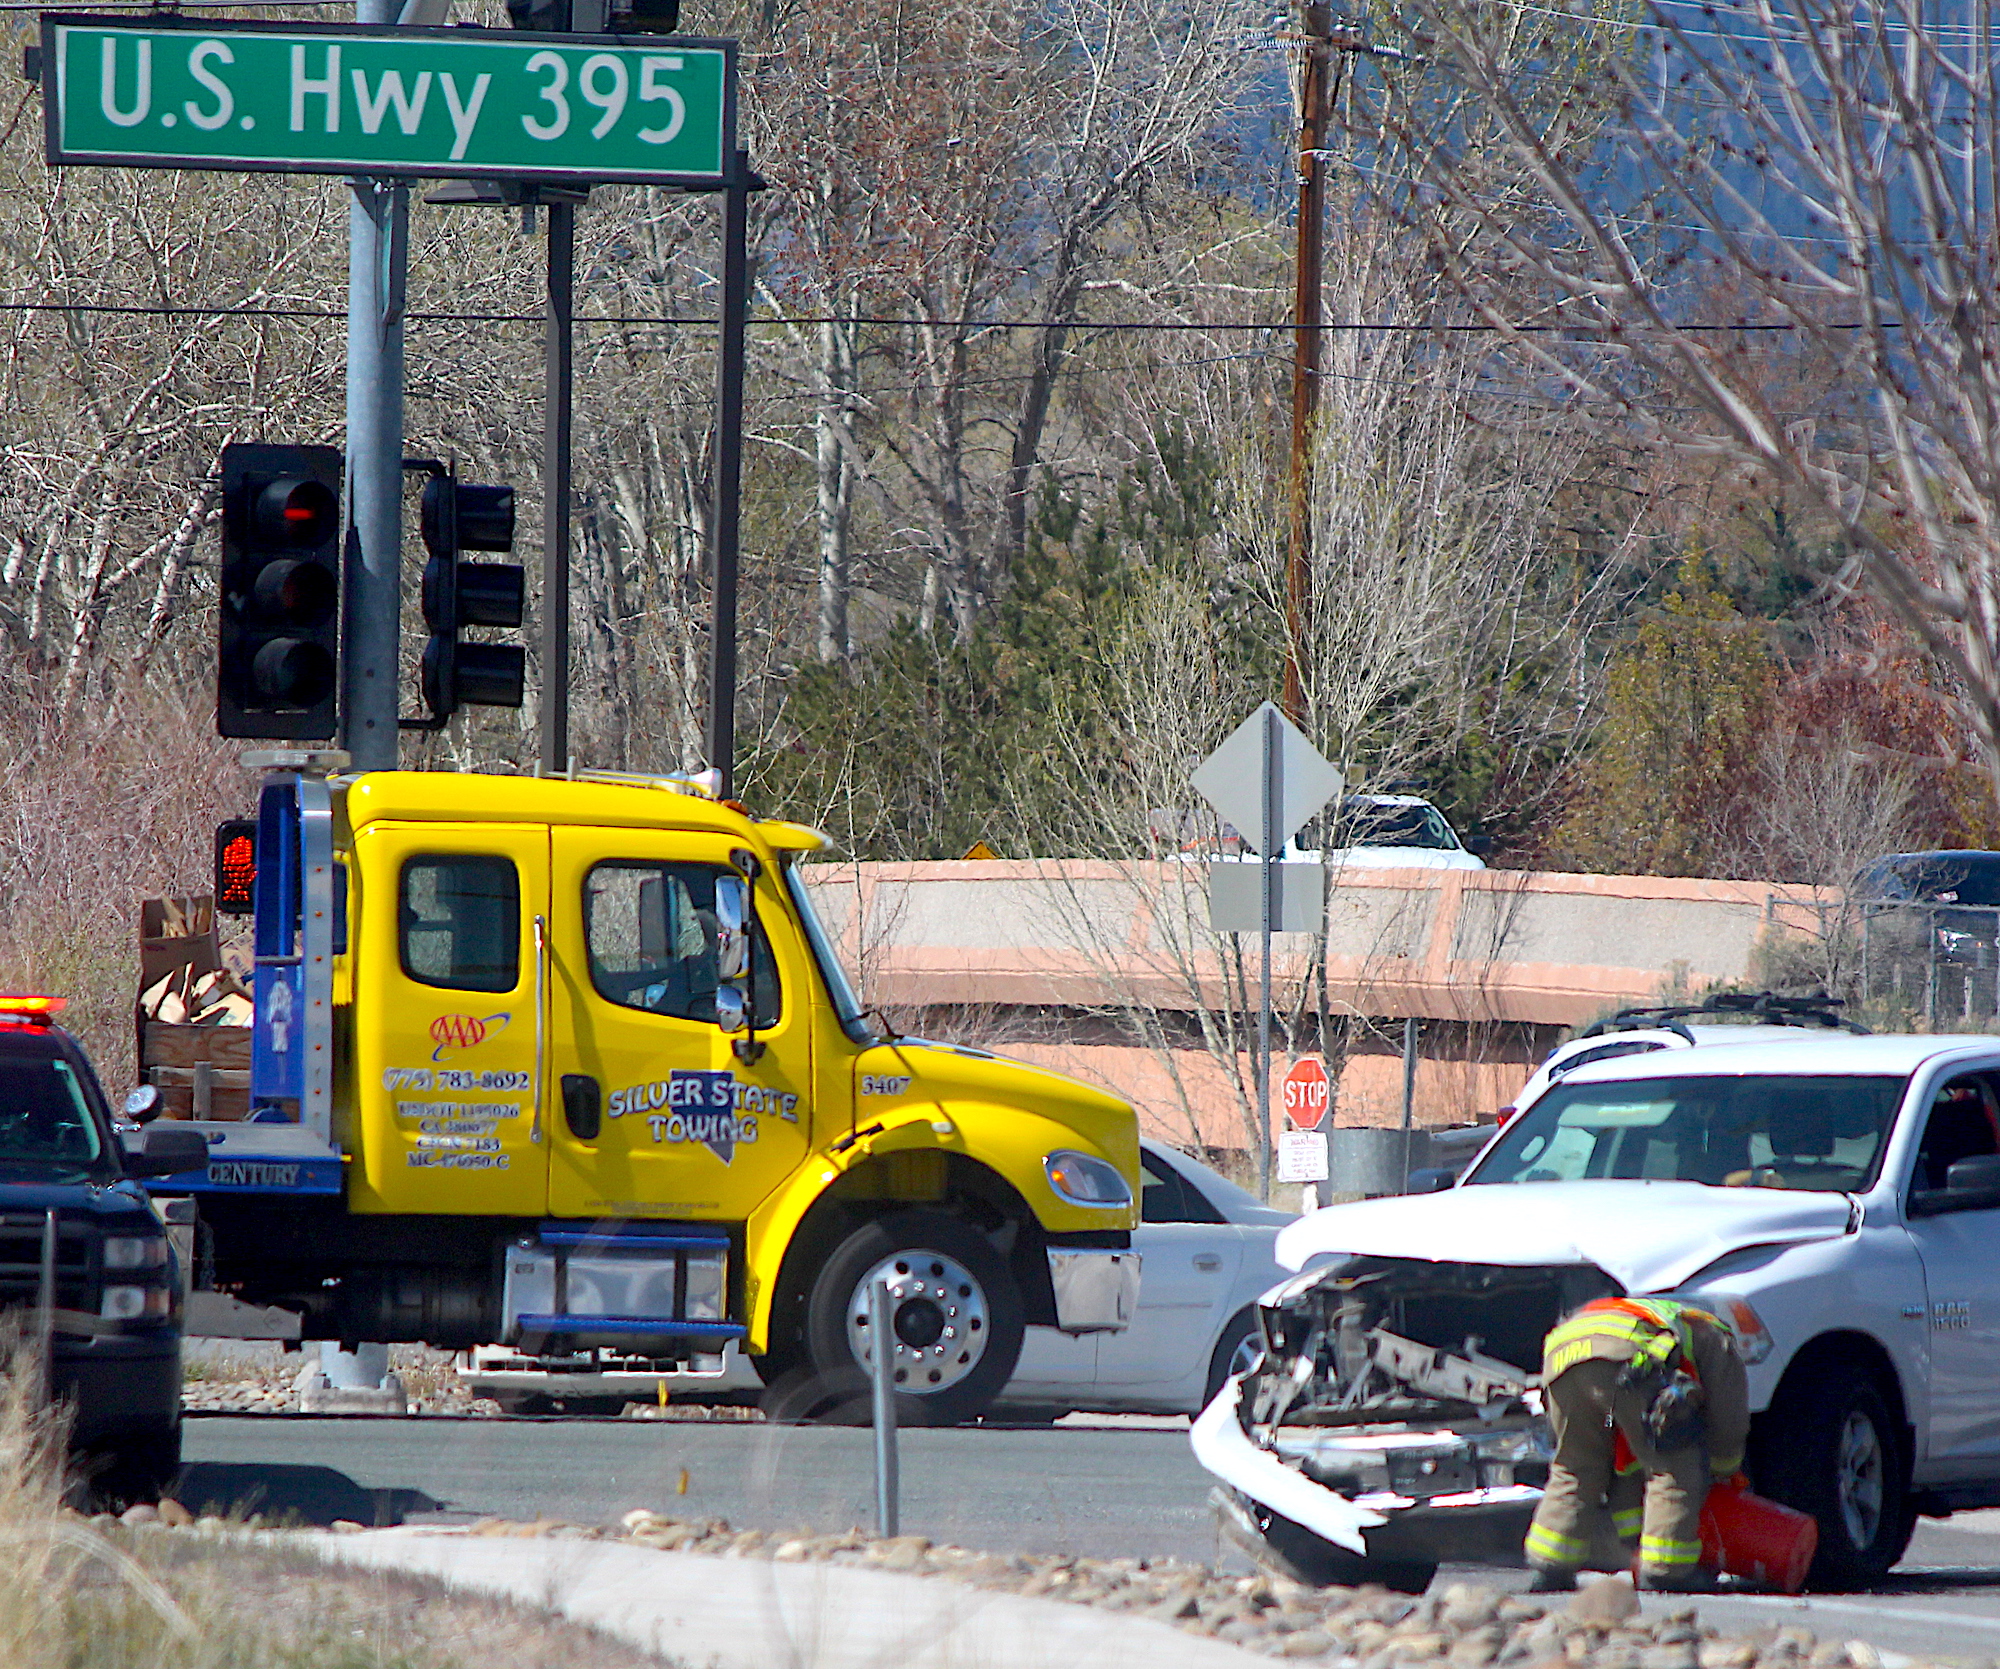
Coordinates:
[636,1326]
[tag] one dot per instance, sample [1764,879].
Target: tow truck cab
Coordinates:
[572,1064]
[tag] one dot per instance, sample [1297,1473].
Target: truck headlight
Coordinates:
[1753,1338]
[1083,1180]
[136,1304]
[135,1251]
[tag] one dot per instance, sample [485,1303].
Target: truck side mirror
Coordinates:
[1969,1185]
[1432,1180]
[167,1151]
[732,1008]
[732,930]
[1974,1177]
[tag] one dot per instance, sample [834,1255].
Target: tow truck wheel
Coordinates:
[955,1310]
[1839,1460]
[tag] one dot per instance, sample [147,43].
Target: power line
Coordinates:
[1364,326]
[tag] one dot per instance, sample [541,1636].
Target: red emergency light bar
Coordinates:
[30,1011]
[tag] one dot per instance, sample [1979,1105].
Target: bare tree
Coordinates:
[1794,266]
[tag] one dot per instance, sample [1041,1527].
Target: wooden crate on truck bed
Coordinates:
[193,1013]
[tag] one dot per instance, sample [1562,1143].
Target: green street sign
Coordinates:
[302,98]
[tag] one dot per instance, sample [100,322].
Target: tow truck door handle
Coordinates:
[583,1105]
[1207,1261]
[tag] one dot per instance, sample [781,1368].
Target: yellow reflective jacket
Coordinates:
[1663,1331]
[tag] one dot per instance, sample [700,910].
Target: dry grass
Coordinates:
[116,803]
[91,1594]
[262,1607]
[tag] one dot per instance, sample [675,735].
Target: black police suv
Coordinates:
[84,1252]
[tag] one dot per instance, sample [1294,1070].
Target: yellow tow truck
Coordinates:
[570,1065]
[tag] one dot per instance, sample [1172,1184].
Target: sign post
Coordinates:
[1302,1147]
[1268,778]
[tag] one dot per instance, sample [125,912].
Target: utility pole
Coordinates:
[1314,107]
[726,482]
[378,239]
[558,349]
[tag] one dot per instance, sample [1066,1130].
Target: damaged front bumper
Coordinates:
[1395,1415]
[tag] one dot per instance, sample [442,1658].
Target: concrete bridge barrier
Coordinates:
[1110,971]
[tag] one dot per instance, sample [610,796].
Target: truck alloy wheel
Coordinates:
[1828,1446]
[937,1311]
[955,1311]
[1860,1480]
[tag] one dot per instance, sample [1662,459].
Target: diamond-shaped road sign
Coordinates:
[1265,752]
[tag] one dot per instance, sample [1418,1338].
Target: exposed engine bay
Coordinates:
[1403,1399]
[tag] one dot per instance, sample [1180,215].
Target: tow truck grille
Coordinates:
[21,1262]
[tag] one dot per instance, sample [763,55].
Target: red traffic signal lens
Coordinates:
[292,511]
[236,866]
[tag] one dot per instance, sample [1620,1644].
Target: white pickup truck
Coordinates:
[1835,1198]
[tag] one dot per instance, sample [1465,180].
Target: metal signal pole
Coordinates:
[378,234]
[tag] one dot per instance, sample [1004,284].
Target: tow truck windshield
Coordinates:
[1820,1134]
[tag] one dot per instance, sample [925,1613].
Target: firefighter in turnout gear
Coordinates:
[1648,1403]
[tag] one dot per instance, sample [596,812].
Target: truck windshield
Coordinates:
[44,1115]
[1374,823]
[1815,1133]
[846,1005]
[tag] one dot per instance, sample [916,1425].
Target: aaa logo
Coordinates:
[455,1033]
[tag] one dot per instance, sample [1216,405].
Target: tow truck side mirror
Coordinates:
[732,953]
[1431,1180]
[732,929]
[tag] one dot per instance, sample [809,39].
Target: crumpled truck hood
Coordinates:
[1647,1236]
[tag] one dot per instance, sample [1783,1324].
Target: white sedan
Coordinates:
[1206,1249]
[1207,1254]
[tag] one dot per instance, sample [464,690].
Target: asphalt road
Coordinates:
[1120,1489]
[1104,1491]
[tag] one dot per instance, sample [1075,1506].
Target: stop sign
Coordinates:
[1306,1093]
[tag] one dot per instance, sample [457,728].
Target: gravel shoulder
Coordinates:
[731,1597]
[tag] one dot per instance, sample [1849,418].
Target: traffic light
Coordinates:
[596,17]
[458,594]
[236,866]
[278,633]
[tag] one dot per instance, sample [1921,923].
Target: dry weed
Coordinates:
[114,803]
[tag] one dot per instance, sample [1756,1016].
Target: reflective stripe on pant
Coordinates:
[1585,1497]
[1657,1554]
